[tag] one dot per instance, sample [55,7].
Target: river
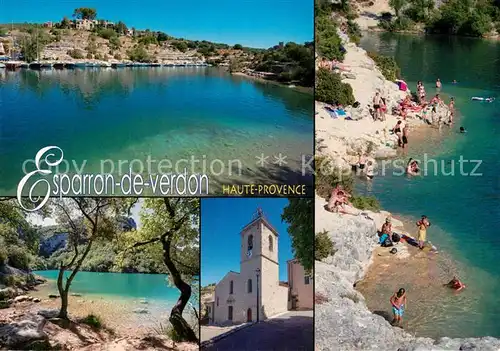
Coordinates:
[464,208]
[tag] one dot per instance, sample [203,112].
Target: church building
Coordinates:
[255,293]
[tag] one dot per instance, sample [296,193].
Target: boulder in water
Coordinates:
[141,311]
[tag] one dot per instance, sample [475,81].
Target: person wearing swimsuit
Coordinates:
[397,131]
[370,170]
[398,302]
[376,105]
[422,225]
[405,135]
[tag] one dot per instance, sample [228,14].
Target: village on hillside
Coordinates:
[87,41]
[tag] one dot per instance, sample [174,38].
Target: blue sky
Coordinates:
[221,224]
[254,23]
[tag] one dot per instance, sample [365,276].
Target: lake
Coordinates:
[463,208]
[137,117]
[121,293]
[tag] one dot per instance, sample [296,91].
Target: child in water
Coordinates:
[398,302]
[463,130]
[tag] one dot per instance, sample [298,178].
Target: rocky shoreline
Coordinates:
[342,139]
[342,318]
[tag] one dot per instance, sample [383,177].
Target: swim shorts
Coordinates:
[398,311]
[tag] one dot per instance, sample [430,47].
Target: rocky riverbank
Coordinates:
[28,321]
[342,319]
[343,139]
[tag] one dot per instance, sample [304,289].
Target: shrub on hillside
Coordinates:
[354,31]
[3,255]
[93,321]
[18,257]
[387,66]
[331,89]
[365,203]
[139,54]
[399,24]
[328,177]
[323,246]
[106,33]
[328,42]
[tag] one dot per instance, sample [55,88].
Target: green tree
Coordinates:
[139,54]
[328,42]
[86,220]
[180,45]
[114,43]
[235,65]
[331,89]
[33,44]
[170,228]
[398,5]
[419,10]
[237,47]
[65,23]
[299,214]
[121,28]
[85,13]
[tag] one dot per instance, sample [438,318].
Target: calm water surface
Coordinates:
[165,113]
[464,209]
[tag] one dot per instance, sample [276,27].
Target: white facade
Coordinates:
[236,299]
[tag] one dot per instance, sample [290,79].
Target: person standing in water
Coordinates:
[398,302]
[370,170]
[452,109]
[422,225]
[406,131]
[397,130]
[438,83]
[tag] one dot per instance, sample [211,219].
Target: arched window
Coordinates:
[271,243]
[249,286]
[250,242]
[231,285]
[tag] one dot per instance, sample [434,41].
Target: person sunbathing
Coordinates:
[338,198]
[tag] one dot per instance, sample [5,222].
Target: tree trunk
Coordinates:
[181,327]
[63,312]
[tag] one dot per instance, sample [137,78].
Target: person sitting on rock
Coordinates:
[386,227]
[338,198]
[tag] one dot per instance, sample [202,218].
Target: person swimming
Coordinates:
[454,82]
[463,130]
[455,284]
[398,302]
[412,167]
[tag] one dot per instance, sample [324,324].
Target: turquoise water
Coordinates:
[123,285]
[126,292]
[464,210]
[164,113]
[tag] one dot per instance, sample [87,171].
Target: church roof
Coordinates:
[260,217]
